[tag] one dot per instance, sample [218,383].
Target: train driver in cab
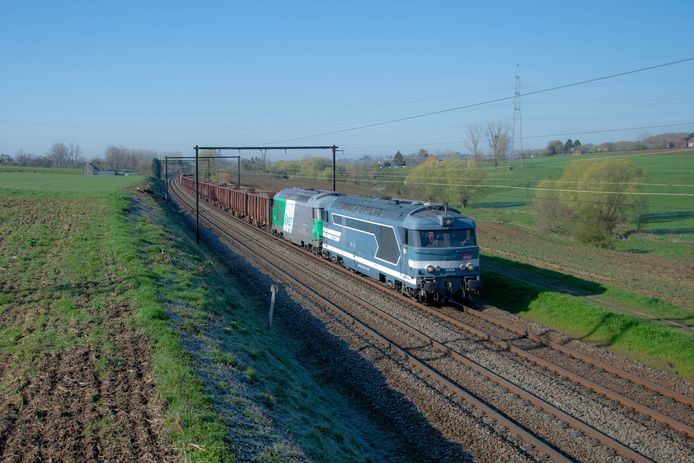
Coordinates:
[434,240]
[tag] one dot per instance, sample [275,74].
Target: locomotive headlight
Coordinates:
[438,268]
[462,267]
[430,268]
[469,266]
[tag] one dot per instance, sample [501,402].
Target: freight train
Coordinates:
[427,251]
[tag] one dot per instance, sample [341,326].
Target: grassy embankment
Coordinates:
[635,338]
[611,297]
[601,319]
[74,247]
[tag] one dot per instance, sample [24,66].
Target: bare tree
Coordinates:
[75,152]
[474,135]
[422,156]
[115,157]
[498,139]
[22,158]
[59,154]
[129,158]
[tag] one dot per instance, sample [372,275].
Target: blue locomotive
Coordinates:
[427,251]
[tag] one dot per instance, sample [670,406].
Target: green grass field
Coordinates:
[512,190]
[643,280]
[60,183]
[70,257]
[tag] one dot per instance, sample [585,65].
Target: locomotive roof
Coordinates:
[307,195]
[409,214]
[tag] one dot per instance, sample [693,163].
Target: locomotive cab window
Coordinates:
[441,238]
[463,238]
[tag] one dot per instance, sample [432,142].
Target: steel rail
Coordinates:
[662,390]
[619,372]
[539,403]
[385,343]
[608,393]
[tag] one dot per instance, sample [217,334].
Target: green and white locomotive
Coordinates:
[298,215]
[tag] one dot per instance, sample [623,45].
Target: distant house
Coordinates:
[91,169]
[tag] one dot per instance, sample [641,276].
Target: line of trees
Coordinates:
[70,155]
[568,147]
[59,155]
[496,134]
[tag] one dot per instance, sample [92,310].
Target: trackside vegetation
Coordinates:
[195,428]
[272,407]
[592,200]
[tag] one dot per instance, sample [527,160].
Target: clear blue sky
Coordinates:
[168,75]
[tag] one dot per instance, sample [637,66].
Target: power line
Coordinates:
[588,132]
[611,130]
[508,187]
[394,178]
[486,102]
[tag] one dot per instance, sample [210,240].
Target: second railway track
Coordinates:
[445,350]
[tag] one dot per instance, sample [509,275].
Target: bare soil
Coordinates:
[77,409]
[84,390]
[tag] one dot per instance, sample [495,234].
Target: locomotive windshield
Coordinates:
[441,238]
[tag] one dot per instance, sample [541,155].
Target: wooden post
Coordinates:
[273,290]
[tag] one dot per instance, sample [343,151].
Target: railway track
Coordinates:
[441,363]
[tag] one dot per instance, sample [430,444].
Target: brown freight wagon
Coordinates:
[187,182]
[201,189]
[204,190]
[212,192]
[260,208]
[239,201]
[224,196]
[255,206]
